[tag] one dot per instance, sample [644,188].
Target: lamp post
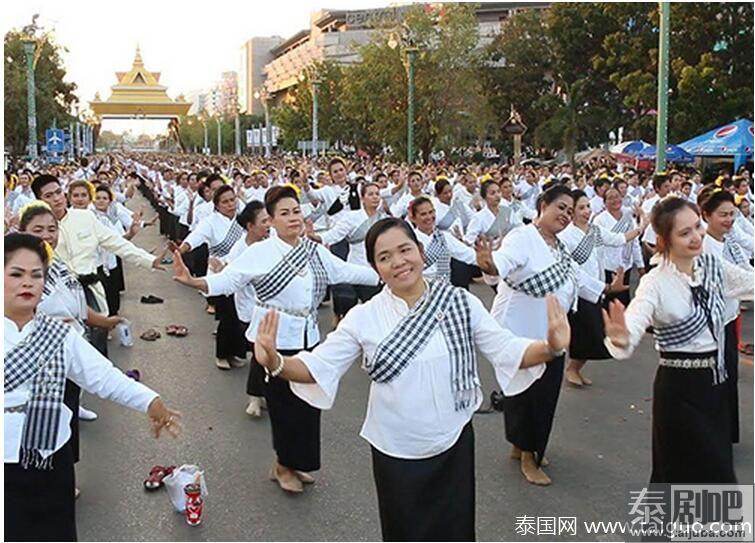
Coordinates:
[662,121]
[237,128]
[220,143]
[30,46]
[263,96]
[407,39]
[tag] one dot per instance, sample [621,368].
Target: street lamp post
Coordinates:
[662,121]
[205,150]
[29,48]
[411,55]
[407,39]
[315,137]
[237,128]
[263,96]
[220,143]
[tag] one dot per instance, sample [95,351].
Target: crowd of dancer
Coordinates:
[395,250]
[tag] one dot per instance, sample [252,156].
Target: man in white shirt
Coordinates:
[662,187]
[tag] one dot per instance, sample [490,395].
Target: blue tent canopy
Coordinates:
[734,139]
[674,153]
[633,147]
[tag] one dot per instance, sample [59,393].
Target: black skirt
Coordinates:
[229,339]
[587,332]
[112,295]
[432,499]
[120,280]
[255,382]
[731,358]
[463,273]
[691,428]
[71,398]
[294,423]
[529,415]
[622,296]
[39,504]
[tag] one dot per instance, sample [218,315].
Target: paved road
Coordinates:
[600,443]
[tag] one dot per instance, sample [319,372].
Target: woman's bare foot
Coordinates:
[516,454]
[286,478]
[585,380]
[574,378]
[532,472]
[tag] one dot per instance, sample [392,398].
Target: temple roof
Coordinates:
[138,92]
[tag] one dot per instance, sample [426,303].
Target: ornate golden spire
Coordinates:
[138,58]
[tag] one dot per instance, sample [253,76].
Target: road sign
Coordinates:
[55,138]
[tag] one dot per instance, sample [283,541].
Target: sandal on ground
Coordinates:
[156,476]
[181,331]
[134,374]
[151,299]
[746,349]
[151,335]
[171,329]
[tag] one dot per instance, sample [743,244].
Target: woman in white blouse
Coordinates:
[220,231]
[440,246]
[352,226]
[493,220]
[40,352]
[532,264]
[291,274]
[683,300]
[417,341]
[618,218]
[718,212]
[585,242]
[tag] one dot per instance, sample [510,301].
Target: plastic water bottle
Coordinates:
[124,333]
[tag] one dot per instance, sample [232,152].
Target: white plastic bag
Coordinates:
[176,481]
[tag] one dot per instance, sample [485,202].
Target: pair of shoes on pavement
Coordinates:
[256,405]
[227,364]
[86,414]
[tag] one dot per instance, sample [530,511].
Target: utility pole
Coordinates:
[220,143]
[411,55]
[315,137]
[30,46]
[238,134]
[662,108]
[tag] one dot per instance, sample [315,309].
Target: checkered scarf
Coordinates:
[708,311]
[550,279]
[585,247]
[436,253]
[106,218]
[502,224]
[733,252]
[360,233]
[233,234]
[622,226]
[304,254]
[440,304]
[39,358]
[59,274]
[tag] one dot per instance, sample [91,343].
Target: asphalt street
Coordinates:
[600,443]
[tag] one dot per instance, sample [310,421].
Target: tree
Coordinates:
[449,99]
[294,116]
[54,96]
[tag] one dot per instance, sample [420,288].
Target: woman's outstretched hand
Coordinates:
[615,324]
[265,350]
[162,416]
[559,331]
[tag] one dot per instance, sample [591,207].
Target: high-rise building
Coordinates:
[334,35]
[255,54]
[198,99]
[228,98]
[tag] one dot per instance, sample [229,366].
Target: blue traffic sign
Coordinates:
[55,138]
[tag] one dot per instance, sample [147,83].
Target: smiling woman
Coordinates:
[418,341]
[684,300]
[39,473]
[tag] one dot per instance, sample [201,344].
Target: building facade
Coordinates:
[335,35]
[254,55]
